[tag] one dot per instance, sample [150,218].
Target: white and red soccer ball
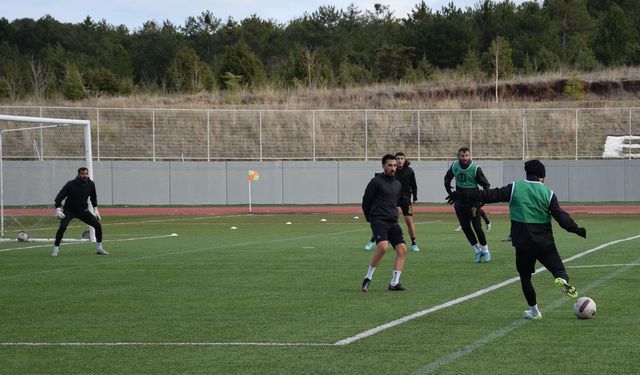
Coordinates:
[22,236]
[584,308]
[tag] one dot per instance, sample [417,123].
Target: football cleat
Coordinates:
[365,284]
[489,227]
[569,290]
[369,246]
[415,248]
[54,252]
[486,256]
[396,288]
[102,252]
[459,228]
[478,255]
[528,314]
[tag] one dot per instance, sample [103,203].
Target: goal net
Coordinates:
[37,157]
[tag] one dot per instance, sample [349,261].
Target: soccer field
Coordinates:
[274,298]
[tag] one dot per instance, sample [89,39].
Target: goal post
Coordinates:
[38,144]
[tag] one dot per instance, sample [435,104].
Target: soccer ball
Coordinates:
[584,308]
[22,236]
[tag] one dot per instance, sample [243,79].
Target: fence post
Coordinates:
[366,135]
[98,134]
[313,123]
[153,133]
[630,134]
[524,135]
[471,131]
[260,132]
[418,135]
[208,136]
[577,133]
[41,137]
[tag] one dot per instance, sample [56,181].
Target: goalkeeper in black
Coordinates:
[531,206]
[76,194]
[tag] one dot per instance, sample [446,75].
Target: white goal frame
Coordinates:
[52,123]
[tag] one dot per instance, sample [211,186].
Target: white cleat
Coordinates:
[458,229]
[528,314]
[102,252]
[54,252]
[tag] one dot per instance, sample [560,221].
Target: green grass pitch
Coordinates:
[272,298]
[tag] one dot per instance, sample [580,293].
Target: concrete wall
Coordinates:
[296,182]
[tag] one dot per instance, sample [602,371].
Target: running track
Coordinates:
[350,210]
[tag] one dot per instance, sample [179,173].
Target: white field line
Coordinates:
[77,243]
[427,369]
[114,260]
[606,265]
[452,357]
[456,301]
[173,235]
[151,221]
[185,221]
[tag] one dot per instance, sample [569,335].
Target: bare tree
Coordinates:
[40,78]
[310,60]
[12,83]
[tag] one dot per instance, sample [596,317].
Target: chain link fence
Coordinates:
[215,134]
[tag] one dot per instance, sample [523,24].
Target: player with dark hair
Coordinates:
[531,206]
[468,176]
[380,208]
[407,177]
[76,194]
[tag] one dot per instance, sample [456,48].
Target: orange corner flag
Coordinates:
[253,176]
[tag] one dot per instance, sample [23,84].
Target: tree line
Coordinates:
[329,47]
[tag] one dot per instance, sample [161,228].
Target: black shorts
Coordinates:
[387,231]
[406,207]
[548,256]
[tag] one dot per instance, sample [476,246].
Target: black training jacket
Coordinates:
[76,193]
[380,200]
[525,235]
[407,178]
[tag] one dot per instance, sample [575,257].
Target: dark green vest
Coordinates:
[530,202]
[465,178]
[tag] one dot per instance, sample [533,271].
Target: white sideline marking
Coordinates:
[163,344]
[77,243]
[606,265]
[451,357]
[456,301]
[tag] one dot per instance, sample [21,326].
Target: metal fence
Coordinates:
[217,134]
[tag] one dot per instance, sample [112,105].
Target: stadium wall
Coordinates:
[295,182]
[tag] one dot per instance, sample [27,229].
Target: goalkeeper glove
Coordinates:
[59,213]
[97,214]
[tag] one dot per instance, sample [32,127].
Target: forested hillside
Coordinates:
[329,48]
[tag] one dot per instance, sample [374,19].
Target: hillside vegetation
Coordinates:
[428,54]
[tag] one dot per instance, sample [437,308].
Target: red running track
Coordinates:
[351,210]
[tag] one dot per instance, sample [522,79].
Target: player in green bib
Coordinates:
[531,206]
[469,176]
